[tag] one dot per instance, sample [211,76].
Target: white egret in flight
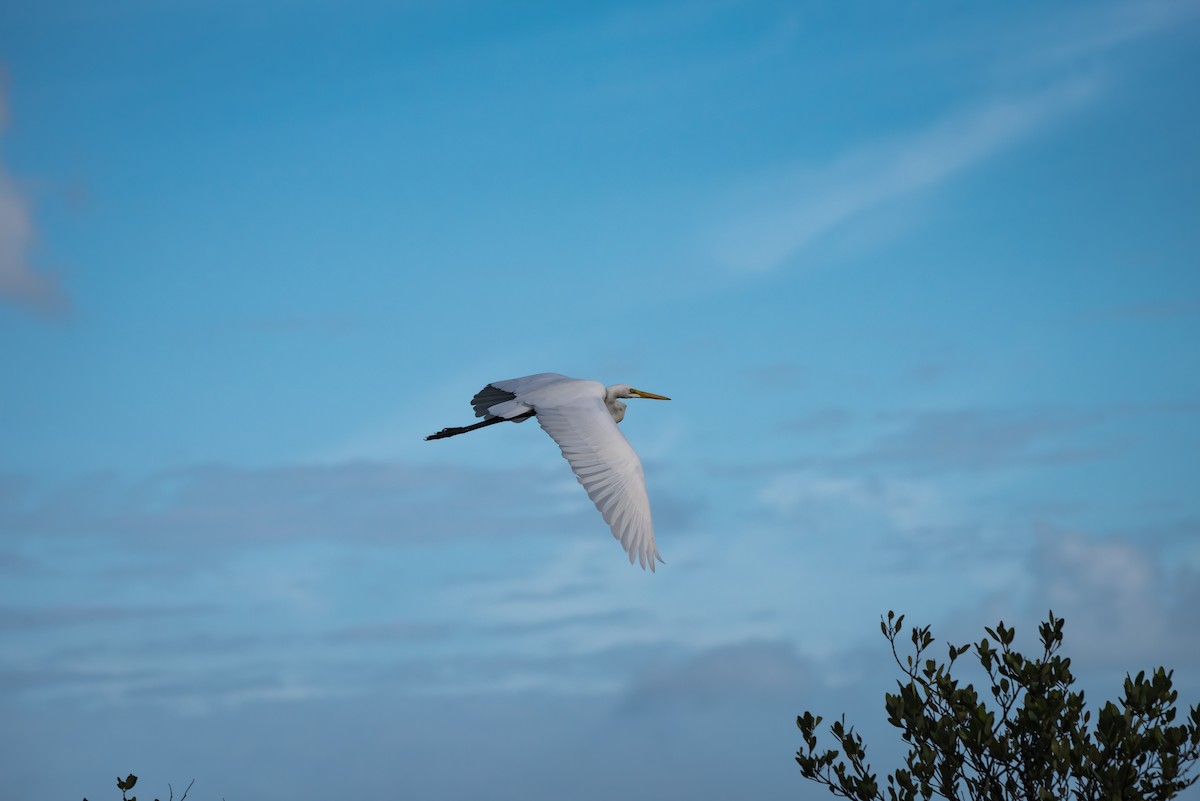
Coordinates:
[581,416]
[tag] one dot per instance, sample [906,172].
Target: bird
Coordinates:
[581,416]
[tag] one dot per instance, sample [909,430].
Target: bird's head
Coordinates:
[616,408]
[626,391]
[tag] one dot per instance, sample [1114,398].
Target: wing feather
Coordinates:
[506,398]
[488,397]
[605,464]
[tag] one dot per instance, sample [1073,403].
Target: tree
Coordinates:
[1038,742]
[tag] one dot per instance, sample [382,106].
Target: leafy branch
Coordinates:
[1037,741]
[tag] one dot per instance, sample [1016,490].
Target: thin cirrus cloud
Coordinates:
[783,217]
[970,438]
[735,672]
[812,203]
[988,438]
[23,617]
[205,505]
[1083,35]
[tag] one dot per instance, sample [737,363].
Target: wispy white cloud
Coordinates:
[778,218]
[20,282]
[38,617]
[964,439]
[987,438]
[725,673]
[203,507]
[1096,30]
[907,507]
[1126,606]
[810,203]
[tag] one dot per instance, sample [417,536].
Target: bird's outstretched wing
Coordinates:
[608,468]
[507,398]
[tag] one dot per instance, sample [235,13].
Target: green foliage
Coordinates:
[1038,741]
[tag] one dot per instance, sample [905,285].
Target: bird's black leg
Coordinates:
[454,432]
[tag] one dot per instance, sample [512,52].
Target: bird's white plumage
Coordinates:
[574,413]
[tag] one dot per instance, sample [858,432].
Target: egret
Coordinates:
[581,416]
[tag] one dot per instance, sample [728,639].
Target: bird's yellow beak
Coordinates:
[649,395]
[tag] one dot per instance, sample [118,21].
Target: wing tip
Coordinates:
[645,558]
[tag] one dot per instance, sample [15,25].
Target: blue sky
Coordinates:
[923,281]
